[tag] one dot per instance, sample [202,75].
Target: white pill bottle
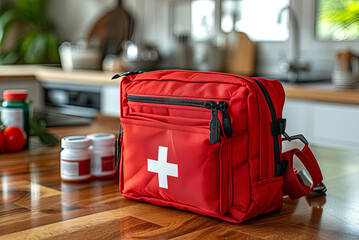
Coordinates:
[103,155]
[75,158]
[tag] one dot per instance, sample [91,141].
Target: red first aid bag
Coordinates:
[209,143]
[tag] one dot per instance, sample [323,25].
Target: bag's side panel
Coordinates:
[245,151]
[267,193]
[267,161]
[123,111]
[266,197]
[266,190]
[276,92]
[263,140]
[278,95]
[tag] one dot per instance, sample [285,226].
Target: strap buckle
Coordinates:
[320,188]
[307,181]
[278,126]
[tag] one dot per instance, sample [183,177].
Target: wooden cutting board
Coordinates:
[112,29]
[240,54]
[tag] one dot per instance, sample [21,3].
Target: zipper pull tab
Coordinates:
[116,76]
[126,74]
[226,120]
[214,124]
[118,146]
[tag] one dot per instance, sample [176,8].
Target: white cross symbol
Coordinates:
[162,167]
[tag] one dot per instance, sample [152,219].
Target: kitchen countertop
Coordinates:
[35,203]
[55,74]
[324,92]
[319,92]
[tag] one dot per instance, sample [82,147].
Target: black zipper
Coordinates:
[118,146]
[278,165]
[226,120]
[214,125]
[125,74]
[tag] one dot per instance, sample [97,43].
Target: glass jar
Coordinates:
[15,111]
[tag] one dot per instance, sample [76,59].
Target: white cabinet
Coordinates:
[110,100]
[298,115]
[336,124]
[326,124]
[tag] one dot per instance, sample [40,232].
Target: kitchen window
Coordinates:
[257,18]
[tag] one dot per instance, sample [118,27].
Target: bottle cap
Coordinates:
[75,142]
[102,139]
[15,94]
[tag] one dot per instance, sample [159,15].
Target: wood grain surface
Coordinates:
[36,204]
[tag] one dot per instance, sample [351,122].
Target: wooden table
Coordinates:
[36,204]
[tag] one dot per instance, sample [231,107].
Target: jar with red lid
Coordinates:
[15,111]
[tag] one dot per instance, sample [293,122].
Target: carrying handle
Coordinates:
[294,184]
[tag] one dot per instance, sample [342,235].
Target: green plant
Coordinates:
[38,129]
[37,42]
[339,19]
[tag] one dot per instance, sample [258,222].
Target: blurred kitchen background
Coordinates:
[65,52]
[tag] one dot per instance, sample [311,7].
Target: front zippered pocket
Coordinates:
[174,163]
[214,125]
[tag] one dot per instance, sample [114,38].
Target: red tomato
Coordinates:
[2,141]
[15,139]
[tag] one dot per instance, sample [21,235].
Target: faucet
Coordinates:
[292,66]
